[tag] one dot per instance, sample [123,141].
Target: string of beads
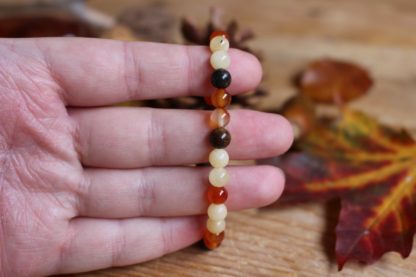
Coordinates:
[219,139]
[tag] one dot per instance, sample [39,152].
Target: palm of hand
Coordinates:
[40,170]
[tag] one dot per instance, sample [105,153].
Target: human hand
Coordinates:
[85,186]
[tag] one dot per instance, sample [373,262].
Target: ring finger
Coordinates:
[176,191]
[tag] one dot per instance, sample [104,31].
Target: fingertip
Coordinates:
[265,134]
[246,71]
[271,186]
[255,186]
[280,138]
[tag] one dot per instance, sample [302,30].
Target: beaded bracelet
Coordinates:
[219,138]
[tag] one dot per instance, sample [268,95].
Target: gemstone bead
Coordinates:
[218,177]
[217,211]
[219,43]
[217,195]
[218,34]
[221,78]
[220,59]
[218,158]
[219,138]
[220,98]
[211,240]
[215,226]
[219,118]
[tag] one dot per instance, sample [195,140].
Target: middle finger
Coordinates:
[121,137]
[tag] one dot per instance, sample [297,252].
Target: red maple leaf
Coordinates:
[371,168]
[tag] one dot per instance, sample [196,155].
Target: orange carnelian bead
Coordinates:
[211,240]
[217,195]
[219,118]
[217,34]
[220,98]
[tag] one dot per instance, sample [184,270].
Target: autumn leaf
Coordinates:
[200,35]
[152,22]
[372,169]
[332,81]
[301,112]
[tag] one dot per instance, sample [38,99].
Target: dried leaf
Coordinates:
[200,36]
[301,112]
[191,33]
[330,81]
[372,169]
[152,22]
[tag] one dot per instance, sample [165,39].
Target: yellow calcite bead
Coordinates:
[219,158]
[217,211]
[219,43]
[220,59]
[215,226]
[218,177]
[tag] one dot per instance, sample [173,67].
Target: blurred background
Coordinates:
[287,35]
[377,34]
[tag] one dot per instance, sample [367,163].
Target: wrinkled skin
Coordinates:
[52,220]
[41,174]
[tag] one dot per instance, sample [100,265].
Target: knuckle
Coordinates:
[157,140]
[146,195]
[167,236]
[118,245]
[132,70]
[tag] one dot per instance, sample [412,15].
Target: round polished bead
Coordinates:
[220,59]
[215,226]
[221,78]
[219,158]
[219,118]
[219,43]
[216,195]
[218,177]
[217,211]
[220,98]
[211,240]
[217,34]
[219,138]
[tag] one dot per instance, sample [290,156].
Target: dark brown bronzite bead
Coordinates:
[221,78]
[220,138]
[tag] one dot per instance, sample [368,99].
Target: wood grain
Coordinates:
[299,241]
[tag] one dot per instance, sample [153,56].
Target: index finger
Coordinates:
[95,72]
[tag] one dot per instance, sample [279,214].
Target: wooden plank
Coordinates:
[298,241]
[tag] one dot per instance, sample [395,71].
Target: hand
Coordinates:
[84,185]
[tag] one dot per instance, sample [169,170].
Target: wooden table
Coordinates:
[298,240]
